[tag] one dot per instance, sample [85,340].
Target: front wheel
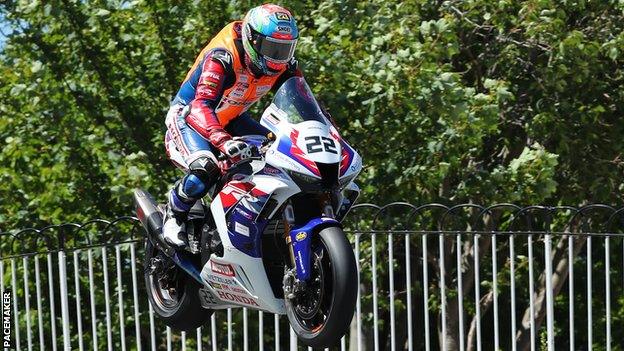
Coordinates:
[320,313]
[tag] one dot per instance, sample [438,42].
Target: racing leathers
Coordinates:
[208,110]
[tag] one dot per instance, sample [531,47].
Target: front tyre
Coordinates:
[320,313]
[174,295]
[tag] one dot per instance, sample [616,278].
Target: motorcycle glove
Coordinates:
[237,148]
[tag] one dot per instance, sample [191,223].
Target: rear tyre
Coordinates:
[320,315]
[174,295]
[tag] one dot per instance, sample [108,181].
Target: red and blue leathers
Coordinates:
[210,107]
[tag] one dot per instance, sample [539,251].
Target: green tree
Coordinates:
[473,101]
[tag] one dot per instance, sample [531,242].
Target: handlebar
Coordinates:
[256,153]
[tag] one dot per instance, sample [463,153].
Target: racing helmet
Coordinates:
[269,36]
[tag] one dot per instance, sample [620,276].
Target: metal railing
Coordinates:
[432,277]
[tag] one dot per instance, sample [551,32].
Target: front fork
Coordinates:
[299,240]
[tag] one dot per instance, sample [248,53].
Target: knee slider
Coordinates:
[203,174]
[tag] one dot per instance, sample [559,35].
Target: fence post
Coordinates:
[531,293]
[64,300]
[375,312]
[92,299]
[550,325]
[120,297]
[590,321]
[135,297]
[512,288]
[27,303]
[391,291]
[495,292]
[608,291]
[52,304]
[15,308]
[39,304]
[408,284]
[442,288]
[78,302]
[477,284]
[293,340]
[571,291]
[425,270]
[460,293]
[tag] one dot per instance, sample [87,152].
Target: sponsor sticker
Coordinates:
[206,298]
[225,284]
[241,229]
[301,262]
[285,29]
[7,316]
[236,298]
[271,119]
[219,279]
[301,236]
[238,290]
[223,269]
[226,100]
[212,75]
[272,171]
[282,16]
[262,89]
[237,93]
[244,213]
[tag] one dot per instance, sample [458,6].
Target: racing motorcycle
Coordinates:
[271,237]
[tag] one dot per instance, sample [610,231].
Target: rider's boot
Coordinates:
[203,173]
[174,223]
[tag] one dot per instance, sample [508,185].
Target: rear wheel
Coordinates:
[320,313]
[173,295]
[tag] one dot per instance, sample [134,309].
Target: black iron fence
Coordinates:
[463,277]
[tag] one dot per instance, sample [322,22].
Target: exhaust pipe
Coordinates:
[149,214]
[152,219]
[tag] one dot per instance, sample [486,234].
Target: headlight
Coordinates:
[327,182]
[306,182]
[302,178]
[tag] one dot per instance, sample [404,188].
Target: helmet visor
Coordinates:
[273,49]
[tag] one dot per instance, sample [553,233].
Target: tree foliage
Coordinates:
[513,101]
[447,101]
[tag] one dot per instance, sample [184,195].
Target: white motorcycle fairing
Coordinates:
[307,147]
[239,277]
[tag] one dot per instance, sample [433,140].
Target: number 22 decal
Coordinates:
[317,144]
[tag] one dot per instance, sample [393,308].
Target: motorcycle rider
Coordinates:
[239,65]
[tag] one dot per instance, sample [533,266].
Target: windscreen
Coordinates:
[295,98]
